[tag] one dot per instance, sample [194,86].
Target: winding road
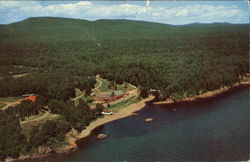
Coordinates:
[99,85]
[9,104]
[36,119]
[95,89]
[47,113]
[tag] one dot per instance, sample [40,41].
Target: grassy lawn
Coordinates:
[34,116]
[135,100]
[123,88]
[123,103]
[105,84]
[78,92]
[10,99]
[2,105]
[130,87]
[40,121]
[92,104]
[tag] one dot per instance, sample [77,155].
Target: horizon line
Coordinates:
[218,22]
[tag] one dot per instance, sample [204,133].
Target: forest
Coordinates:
[51,134]
[173,59]
[58,55]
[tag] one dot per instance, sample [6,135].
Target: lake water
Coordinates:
[216,129]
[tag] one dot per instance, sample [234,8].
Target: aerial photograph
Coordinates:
[124,81]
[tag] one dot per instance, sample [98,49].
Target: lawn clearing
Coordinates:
[78,92]
[105,86]
[33,122]
[32,117]
[105,83]
[10,99]
[27,126]
[123,103]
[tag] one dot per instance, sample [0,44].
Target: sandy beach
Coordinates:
[130,109]
[124,112]
[73,136]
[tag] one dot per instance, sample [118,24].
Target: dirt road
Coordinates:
[99,85]
[8,104]
[36,119]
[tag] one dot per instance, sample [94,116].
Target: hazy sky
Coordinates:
[170,12]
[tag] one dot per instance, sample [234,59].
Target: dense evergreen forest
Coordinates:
[59,55]
[178,60]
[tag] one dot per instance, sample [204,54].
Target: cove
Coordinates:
[215,129]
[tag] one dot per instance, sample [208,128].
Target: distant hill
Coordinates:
[210,24]
[65,29]
[58,55]
[179,60]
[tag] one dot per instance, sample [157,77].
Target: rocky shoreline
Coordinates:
[73,135]
[207,95]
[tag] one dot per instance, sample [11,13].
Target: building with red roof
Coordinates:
[29,98]
[109,96]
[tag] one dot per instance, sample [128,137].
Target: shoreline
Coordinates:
[122,113]
[130,109]
[206,95]
[73,136]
